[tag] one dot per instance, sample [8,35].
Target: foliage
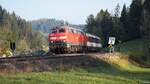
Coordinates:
[124,24]
[100,25]
[22,45]
[135,19]
[132,24]
[15,29]
[137,51]
[105,25]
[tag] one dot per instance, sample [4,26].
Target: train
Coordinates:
[66,39]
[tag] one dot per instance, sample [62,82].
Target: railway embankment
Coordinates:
[46,63]
[94,68]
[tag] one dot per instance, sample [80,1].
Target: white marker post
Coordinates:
[111,42]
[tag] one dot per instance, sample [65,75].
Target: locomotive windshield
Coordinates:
[54,31]
[61,30]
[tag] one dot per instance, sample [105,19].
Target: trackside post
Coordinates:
[13,47]
[111,42]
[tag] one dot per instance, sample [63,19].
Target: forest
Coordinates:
[15,29]
[128,24]
[131,24]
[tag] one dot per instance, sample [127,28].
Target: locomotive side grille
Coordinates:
[58,42]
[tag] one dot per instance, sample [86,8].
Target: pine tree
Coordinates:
[117,11]
[1,15]
[104,24]
[117,29]
[135,15]
[90,24]
[124,23]
[146,25]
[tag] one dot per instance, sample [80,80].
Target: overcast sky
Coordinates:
[73,11]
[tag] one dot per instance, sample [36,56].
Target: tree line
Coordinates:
[131,23]
[15,29]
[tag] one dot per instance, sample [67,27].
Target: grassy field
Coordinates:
[102,72]
[108,70]
[92,76]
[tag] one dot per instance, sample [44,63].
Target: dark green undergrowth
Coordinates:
[138,51]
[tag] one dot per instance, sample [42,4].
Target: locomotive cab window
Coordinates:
[82,33]
[54,31]
[78,32]
[71,30]
[75,31]
[61,30]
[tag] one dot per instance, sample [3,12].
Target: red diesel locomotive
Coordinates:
[65,39]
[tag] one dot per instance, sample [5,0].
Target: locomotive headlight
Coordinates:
[68,45]
[63,37]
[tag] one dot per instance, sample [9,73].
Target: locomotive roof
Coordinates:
[87,34]
[75,29]
[90,35]
[58,27]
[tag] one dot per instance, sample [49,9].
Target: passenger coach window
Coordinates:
[61,30]
[97,40]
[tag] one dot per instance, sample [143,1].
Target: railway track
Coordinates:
[44,63]
[30,58]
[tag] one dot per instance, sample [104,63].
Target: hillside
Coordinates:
[44,25]
[15,29]
[137,50]
[98,72]
[116,68]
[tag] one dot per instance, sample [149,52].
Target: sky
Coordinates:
[73,11]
